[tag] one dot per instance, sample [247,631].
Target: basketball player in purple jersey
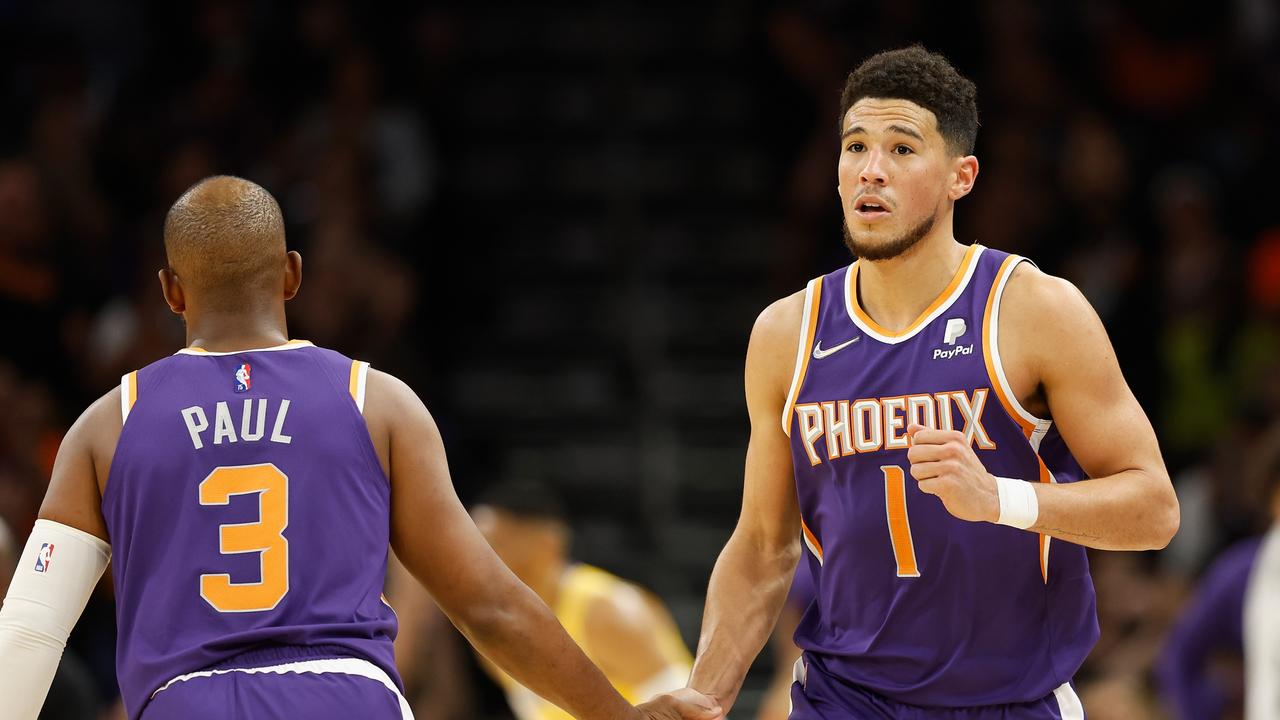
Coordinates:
[954,433]
[246,489]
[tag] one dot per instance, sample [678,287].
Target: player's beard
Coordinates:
[893,248]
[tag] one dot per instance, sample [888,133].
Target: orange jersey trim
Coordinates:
[989,339]
[811,541]
[943,297]
[356,383]
[802,367]
[989,351]
[353,384]
[128,394]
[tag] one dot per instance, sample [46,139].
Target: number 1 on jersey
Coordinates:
[895,506]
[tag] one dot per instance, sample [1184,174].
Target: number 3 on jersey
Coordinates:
[265,537]
[895,506]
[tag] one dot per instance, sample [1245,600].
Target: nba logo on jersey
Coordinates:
[42,560]
[242,378]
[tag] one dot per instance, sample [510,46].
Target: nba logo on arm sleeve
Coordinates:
[242,378]
[44,557]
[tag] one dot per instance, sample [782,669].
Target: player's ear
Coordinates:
[171,288]
[964,174]
[292,274]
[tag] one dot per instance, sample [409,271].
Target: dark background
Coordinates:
[557,221]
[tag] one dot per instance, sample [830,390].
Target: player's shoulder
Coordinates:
[776,332]
[104,416]
[390,387]
[771,352]
[390,401]
[1035,301]
[781,317]
[1029,284]
[94,434]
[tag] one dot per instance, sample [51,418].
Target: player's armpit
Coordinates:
[1052,340]
[753,573]
[438,543]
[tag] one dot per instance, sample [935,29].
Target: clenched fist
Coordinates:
[682,704]
[945,465]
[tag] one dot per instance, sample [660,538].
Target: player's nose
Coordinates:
[873,172]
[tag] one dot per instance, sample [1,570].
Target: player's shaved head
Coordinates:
[224,239]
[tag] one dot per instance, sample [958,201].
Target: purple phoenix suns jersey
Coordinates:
[247,509]
[912,603]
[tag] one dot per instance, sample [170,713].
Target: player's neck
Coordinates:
[896,291]
[228,332]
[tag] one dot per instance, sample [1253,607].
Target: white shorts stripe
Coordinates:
[1069,705]
[346,666]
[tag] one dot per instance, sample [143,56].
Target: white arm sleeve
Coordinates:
[56,573]
[1262,633]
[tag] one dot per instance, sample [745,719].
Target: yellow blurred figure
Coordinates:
[624,629]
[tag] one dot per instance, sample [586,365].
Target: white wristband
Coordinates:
[1019,506]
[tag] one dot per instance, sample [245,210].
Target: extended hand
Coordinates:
[945,465]
[682,704]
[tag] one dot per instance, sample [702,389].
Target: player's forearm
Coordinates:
[519,634]
[748,588]
[1131,510]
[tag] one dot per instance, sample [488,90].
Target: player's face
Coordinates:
[894,175]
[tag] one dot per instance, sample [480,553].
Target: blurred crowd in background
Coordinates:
[557,222]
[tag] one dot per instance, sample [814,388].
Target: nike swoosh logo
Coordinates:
[819,353]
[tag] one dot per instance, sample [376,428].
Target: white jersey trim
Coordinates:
[127,390]
[815,552]
[291,345]
[362,376]
[345,666]
[851,292]
[993,331]
[802,354]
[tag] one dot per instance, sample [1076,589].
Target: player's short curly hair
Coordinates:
[926,79]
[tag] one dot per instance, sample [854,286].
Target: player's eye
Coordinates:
[902,150]
[856,147]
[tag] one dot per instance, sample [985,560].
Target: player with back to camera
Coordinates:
[246,489]
[916,419]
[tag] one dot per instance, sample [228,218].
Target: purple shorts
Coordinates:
[325,689]
[815,695]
